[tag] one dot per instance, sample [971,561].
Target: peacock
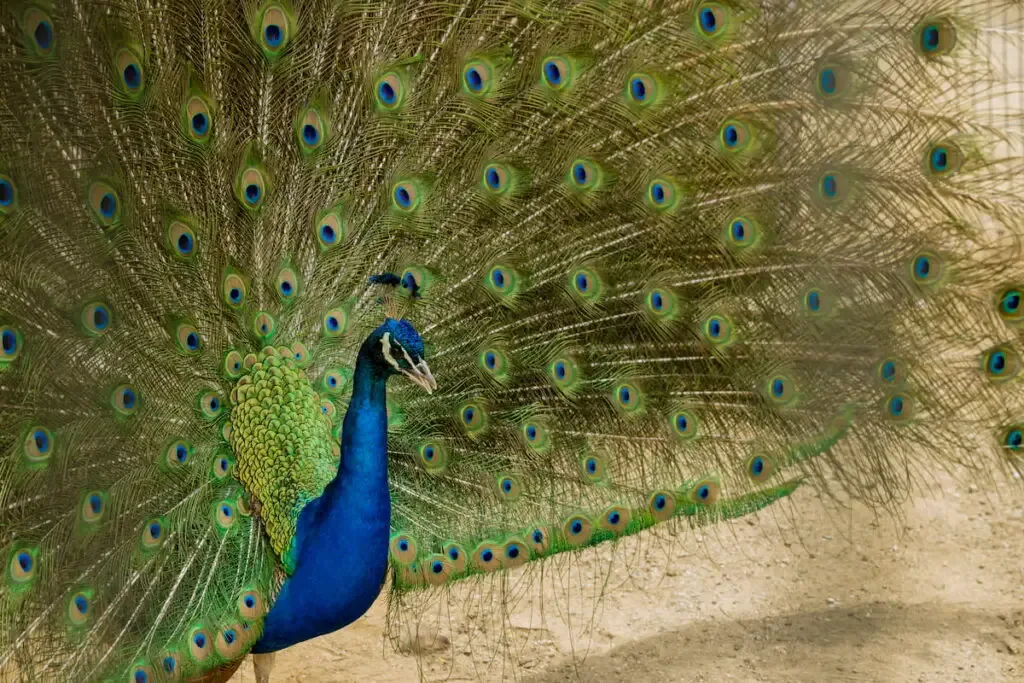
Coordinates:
[627,262]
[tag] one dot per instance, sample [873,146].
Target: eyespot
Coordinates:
[615,519]
[390,91]
[891,371]
[734,136]
[684,424]
[125,400]
[661,303]
[335,322]
[10,344]
[403,549]
[718,330]
[211,405]
[495,363]
[79,608]
[832,81]
[335,381]
[198,119]
[231,366]
[662,195]
[899,407]
[181,240]
[539,538]
[405,196]
[509,488]
[224,514]
[564,373]
[586,284]
[22,566]
[487,557]
[229,642]
[129,68]
[934,38]
[1013,439]
[705,492]
[627,397]
[92,507]
[477,77]
[472,417]
[301,354]
[577,530]
[1001,363]
[8,195]
[496,178]
[264,325]
[781,390]
[456,556]
[833,187]
[433,455]
[188,339]
[817,302]
[221,465]
[96,318]
[329,230]
[661,505]
[584,175]
[759,468]
[926,269]
[233,290]
[514,553]
[1009,304]
[556,73]
[105,204]
[252,188]
[177,454]
[594,469]
[712,19]
[641,90]
[275,31]
[39,29]
[311,131]
[943,160]
[200,646]
[38,445]
[503,281]
[153,533]
[170,664]
[251,604]
[536,435]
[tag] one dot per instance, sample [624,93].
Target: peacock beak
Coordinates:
[420,375]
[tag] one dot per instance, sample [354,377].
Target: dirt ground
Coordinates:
[794,594]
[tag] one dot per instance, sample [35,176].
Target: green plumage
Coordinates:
[671,257]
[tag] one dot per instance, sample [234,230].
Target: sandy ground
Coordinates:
[795,594]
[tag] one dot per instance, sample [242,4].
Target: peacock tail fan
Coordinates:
[670,259]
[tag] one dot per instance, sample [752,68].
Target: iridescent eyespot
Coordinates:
[405,196]
[734,136]
[487,557]
[153,534]
[92,507]
[661,303]
[181,240]
[891,371]
[22,566]
[760,468]
[251,604]
[301,354]
[200,646]
[899,407]
[833,187]
[275,31]
[642,90]
[832,80]
[662,195]
[187,337]
[509,488]
[177,454]
[781,390]
[221,465]
[1009,304]
[705,492]
[661,505]
[233,290]
[565,374]
[615,519]
[472,416]
[96,318]
[684,424]
[390,91]
[556,73]
[926,269]
[78,608]
[1001,363]
[311,130]
[287,283]
[129,68]
[718,330]
[10,344]
[403,548]
[329,230]
[594,469]
[210,404]
[1013,439]
[584,174]
[539,539]
[105,204]
[8,195]
[125,400]
[934,37]
[252,188]
[477,77]
[264,325]
[456,556]
[711,19]
[433,456]
[39,29]
[496,178]
[335,381]
[224,514]
[198,119]
[38,445]
[335,322]
[577,530]
[627,397]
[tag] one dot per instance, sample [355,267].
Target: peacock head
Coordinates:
[397,348]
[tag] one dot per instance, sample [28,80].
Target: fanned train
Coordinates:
[629,262]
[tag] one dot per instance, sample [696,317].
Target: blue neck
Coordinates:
[342,536]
